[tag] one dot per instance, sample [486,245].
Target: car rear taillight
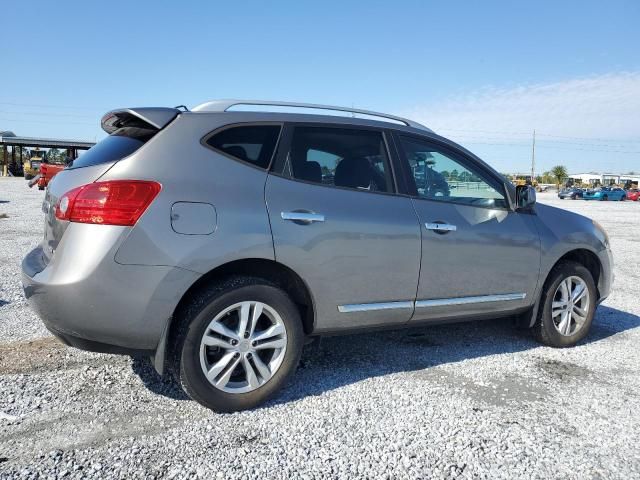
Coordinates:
[114,202]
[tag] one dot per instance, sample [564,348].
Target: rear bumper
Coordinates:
[100,305]
[93,346]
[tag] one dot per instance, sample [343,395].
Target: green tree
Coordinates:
[559,172]
[547,177]
[54,155]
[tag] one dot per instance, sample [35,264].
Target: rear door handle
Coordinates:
[302,218]
[440,227]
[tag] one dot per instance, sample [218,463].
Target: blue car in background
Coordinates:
[605,193]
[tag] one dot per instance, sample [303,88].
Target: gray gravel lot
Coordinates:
[475,400]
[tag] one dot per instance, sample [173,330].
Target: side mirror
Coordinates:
[525,197]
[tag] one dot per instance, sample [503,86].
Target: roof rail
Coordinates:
[224,105]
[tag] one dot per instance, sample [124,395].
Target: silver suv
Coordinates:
[217,241]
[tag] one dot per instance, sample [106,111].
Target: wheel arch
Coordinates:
[582,256]
[269,270]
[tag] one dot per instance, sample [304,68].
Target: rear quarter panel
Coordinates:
[190,172]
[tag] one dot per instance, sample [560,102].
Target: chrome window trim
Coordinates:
[442,302]
[369,307]
[438,302]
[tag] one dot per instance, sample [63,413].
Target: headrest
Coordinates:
[353,172]
[309,171]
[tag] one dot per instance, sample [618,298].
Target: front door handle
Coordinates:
[440,227]
[302,218]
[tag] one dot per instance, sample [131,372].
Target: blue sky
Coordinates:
[482,73]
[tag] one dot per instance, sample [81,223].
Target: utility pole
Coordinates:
[533,157]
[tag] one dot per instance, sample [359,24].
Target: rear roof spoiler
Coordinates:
[146,117]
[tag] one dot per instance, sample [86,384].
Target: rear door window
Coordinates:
[340,157]
[253,144]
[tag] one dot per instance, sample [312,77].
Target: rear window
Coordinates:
[121,143]
[254,144]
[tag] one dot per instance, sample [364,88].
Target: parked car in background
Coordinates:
[571,193]
[633,194]
[605,193]
[307,225]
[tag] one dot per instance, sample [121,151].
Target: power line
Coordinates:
[524,145]
[63,122]
[589,149]
[538,134]
[39,105]
[48,114]
[464,138]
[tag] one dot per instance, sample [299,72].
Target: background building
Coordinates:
[596,179]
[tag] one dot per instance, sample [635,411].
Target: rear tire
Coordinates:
[567,306]
[225,369]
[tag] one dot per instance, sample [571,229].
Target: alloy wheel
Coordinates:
[243,347]
[570,306]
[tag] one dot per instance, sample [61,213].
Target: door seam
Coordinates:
[415,297]
[266,206]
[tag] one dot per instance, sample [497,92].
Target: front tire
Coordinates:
[237,344]
[567,306]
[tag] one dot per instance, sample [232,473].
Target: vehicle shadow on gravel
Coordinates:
[610,321]
[334,362]
[339,361]
[165,386]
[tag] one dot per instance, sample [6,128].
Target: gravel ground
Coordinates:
[459,401]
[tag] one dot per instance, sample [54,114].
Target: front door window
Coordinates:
[441,176]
